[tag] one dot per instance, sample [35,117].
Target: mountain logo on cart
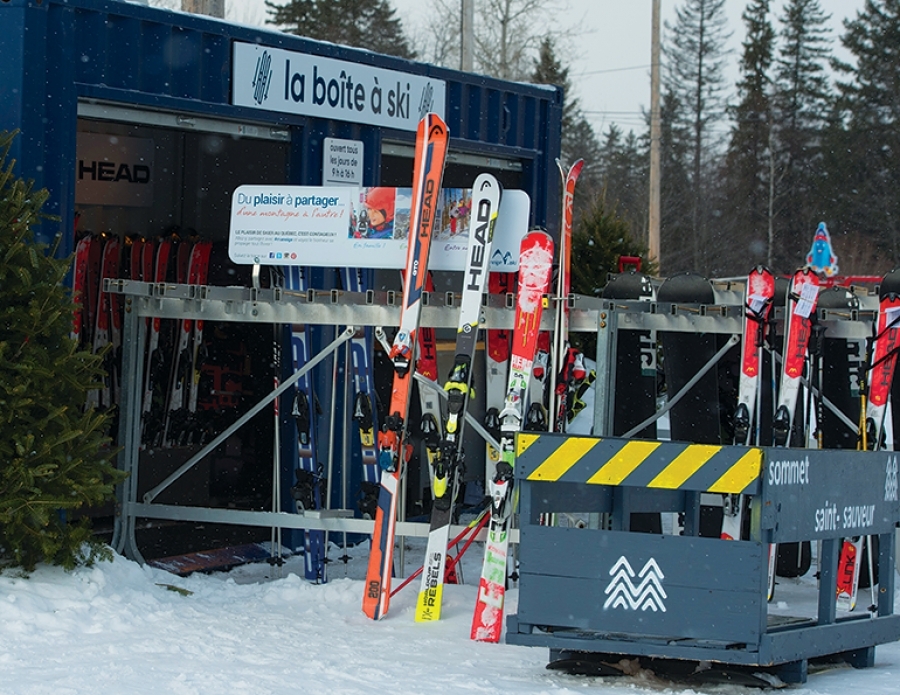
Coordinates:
[890,481]
[636,591]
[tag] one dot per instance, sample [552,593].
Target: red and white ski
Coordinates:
[535,268]
[758,298]
[880,379]
[428,171]
[561,377]
[801,305]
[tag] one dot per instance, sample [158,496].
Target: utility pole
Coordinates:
[653,217]
[467,36]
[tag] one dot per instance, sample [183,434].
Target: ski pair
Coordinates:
[446,459]
[802,298]
[535,269]
[883,359]
[758,299]
[428,169]
[562,378]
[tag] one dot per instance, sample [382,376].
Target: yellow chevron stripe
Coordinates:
[623,463]
[523,441]
[567,455]
[684,466]
[741,474]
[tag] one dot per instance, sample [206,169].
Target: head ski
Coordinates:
[446,467]
[431,149]
[535,268]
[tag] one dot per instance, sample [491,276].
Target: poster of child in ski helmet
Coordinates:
[381,213]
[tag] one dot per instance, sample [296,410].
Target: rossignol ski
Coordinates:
[446,468]
[758,298]
[535,268]
[563,373]
[308,488]
[793,558]
[428,171]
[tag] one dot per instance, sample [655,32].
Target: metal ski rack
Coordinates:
[345,310]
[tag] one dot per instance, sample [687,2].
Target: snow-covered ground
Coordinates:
[118,629]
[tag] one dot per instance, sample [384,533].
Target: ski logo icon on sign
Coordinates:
[648,594]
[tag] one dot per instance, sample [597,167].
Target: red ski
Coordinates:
[535,268]
[428,171]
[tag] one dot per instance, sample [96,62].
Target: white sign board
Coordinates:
[289,82]
[343,226]
[342,162]
[114,170]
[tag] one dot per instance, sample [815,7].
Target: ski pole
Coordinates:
[475,525]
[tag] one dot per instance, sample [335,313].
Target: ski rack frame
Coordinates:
[338,308]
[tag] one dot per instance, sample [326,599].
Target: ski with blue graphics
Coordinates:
[447,466]
[431,149]
[308,489]
[365,412]
[535,268]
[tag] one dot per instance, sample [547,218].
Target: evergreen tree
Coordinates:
[676,230]
[864,138]
[624,176]
[54,456]
[802,102]
[599,238]
[748,161]
[578,138]
[694,67]
[369,24]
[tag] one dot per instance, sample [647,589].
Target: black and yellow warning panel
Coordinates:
[609,589]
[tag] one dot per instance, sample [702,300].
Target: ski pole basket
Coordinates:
[602,587]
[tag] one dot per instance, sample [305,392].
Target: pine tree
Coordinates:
[369,24]
[802,103]
[54,456]
[749,156]
[864,138]
[694,74]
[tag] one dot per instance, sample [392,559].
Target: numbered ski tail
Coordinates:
[535,268]
[364,399]
[758,299]
[496,362]
[308,488]
[884,358]
[801,305]
[563,369]
[447,466]
[431,150]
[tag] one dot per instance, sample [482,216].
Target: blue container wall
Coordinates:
[55,53]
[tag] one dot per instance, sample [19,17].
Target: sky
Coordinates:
[610,46]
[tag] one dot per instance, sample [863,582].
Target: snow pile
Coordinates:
[119,628]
